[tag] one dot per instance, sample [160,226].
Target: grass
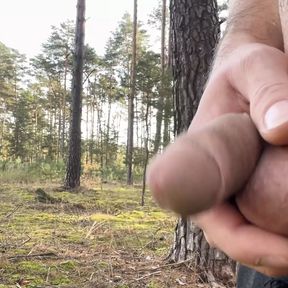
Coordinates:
[98,237]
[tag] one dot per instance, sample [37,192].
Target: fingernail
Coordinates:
[276,115]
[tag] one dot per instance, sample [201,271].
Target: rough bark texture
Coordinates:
[131,103]
[194,31]
[73,170]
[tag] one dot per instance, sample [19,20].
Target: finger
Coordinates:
[205,166]
[252,246]
[261,75]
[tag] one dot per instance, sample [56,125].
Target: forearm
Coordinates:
[251,21]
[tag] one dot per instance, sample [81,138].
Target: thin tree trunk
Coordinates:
[73,170]
[136,118]
[131,103]
[87,133]
[64,107]
[146,147]
[91,144]
[100,137]
[167,122]
[58,153]
[159,119]
[166,96]
[50,141]
[108,131]
[160,104]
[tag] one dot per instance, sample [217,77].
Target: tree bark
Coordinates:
[131,102]
[146,148]
[195,31]
[73,170]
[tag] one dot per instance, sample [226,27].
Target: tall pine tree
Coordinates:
[73,170]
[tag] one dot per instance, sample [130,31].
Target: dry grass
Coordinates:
[98,237]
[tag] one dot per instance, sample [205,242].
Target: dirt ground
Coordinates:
[98,237]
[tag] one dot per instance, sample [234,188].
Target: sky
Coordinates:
[26,24]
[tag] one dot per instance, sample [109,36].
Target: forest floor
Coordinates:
[98,237]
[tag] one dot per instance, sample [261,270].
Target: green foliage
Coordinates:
[23,172]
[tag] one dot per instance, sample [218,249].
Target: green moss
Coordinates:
[68,265]
[100,217]
[32,270]
[102,265]
[153,284]
[61,280]
[126,227]
[32,267]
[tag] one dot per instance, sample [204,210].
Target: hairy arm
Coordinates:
[251,21]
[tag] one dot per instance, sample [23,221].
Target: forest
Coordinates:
[77,131]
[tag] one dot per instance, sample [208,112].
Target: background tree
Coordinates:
[73,170]
[195,31]
[52,68]
[159,19]
[130,134]
[149,74]
[35,97]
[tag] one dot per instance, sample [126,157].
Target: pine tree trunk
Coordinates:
[87,133]
[107,142]
[146,148]
[58,153]
[166,102]
[91,144]
[73,170]
[64,107]
[167,122]
[131,103]
[195,31]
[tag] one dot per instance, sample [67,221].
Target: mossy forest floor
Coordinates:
[98,237]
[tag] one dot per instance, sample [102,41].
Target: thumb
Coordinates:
[264,82]
[205,166]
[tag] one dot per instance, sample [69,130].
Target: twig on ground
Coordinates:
[24,242]
[91,276]
[42,255]
[48,274]
[12,212]
[14,245]
[160,267]
[148,275]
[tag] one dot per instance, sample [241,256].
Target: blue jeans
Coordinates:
[249,278]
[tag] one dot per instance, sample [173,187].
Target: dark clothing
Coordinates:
[249,278]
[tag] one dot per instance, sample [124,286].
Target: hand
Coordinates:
[252,80]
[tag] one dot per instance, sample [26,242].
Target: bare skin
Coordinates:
[251,78]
